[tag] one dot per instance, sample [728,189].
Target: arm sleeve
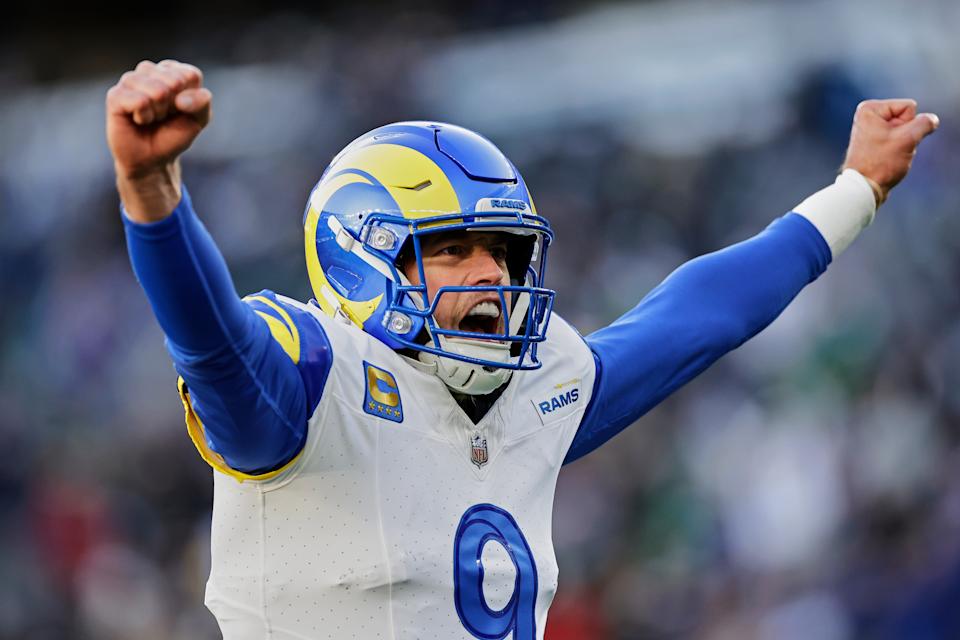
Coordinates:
[243,385]
[704,309]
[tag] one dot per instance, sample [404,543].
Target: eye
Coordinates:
[499,252]
[451,250]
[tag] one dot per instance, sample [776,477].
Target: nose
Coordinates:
[484,268]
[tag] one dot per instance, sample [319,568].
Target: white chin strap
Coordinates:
[475,379]
[466,377]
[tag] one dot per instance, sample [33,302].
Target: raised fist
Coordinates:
[154,113]
[884,140]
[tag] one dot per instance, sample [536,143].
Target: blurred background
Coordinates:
[807,486]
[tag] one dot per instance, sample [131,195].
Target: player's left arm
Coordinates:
[716,302]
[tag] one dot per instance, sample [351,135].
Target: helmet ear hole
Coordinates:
[519,254]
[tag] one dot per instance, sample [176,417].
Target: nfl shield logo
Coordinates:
[478,450]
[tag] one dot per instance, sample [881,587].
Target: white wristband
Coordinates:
[842,210]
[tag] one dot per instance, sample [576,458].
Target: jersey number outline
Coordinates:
[480,524]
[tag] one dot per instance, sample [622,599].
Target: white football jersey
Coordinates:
[401,519]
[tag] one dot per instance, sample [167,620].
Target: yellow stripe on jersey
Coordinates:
[197,434]
[284,330]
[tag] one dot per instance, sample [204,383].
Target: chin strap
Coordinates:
[475,379]
[466,377]
[519,313]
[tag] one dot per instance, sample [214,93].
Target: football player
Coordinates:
[385,455]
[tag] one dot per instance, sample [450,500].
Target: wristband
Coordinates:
[842,210]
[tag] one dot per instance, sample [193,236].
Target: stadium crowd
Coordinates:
[807,486]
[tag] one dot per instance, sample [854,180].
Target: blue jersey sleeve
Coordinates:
[251,373]
[707,307]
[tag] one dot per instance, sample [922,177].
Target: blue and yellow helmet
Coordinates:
[380,196]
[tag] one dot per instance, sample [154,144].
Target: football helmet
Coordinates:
[371,209]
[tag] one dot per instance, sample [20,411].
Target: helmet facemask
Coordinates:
[474,361]
[496,341]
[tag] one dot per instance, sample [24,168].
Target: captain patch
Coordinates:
[382,398]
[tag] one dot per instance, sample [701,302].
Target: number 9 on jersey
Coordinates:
[481,524]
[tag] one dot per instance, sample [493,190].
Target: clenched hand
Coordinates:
[884,140]
[154,113]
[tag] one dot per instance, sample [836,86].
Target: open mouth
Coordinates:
[484,317]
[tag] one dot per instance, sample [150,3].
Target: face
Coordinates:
[464,258]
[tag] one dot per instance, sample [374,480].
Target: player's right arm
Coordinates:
[246,388]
